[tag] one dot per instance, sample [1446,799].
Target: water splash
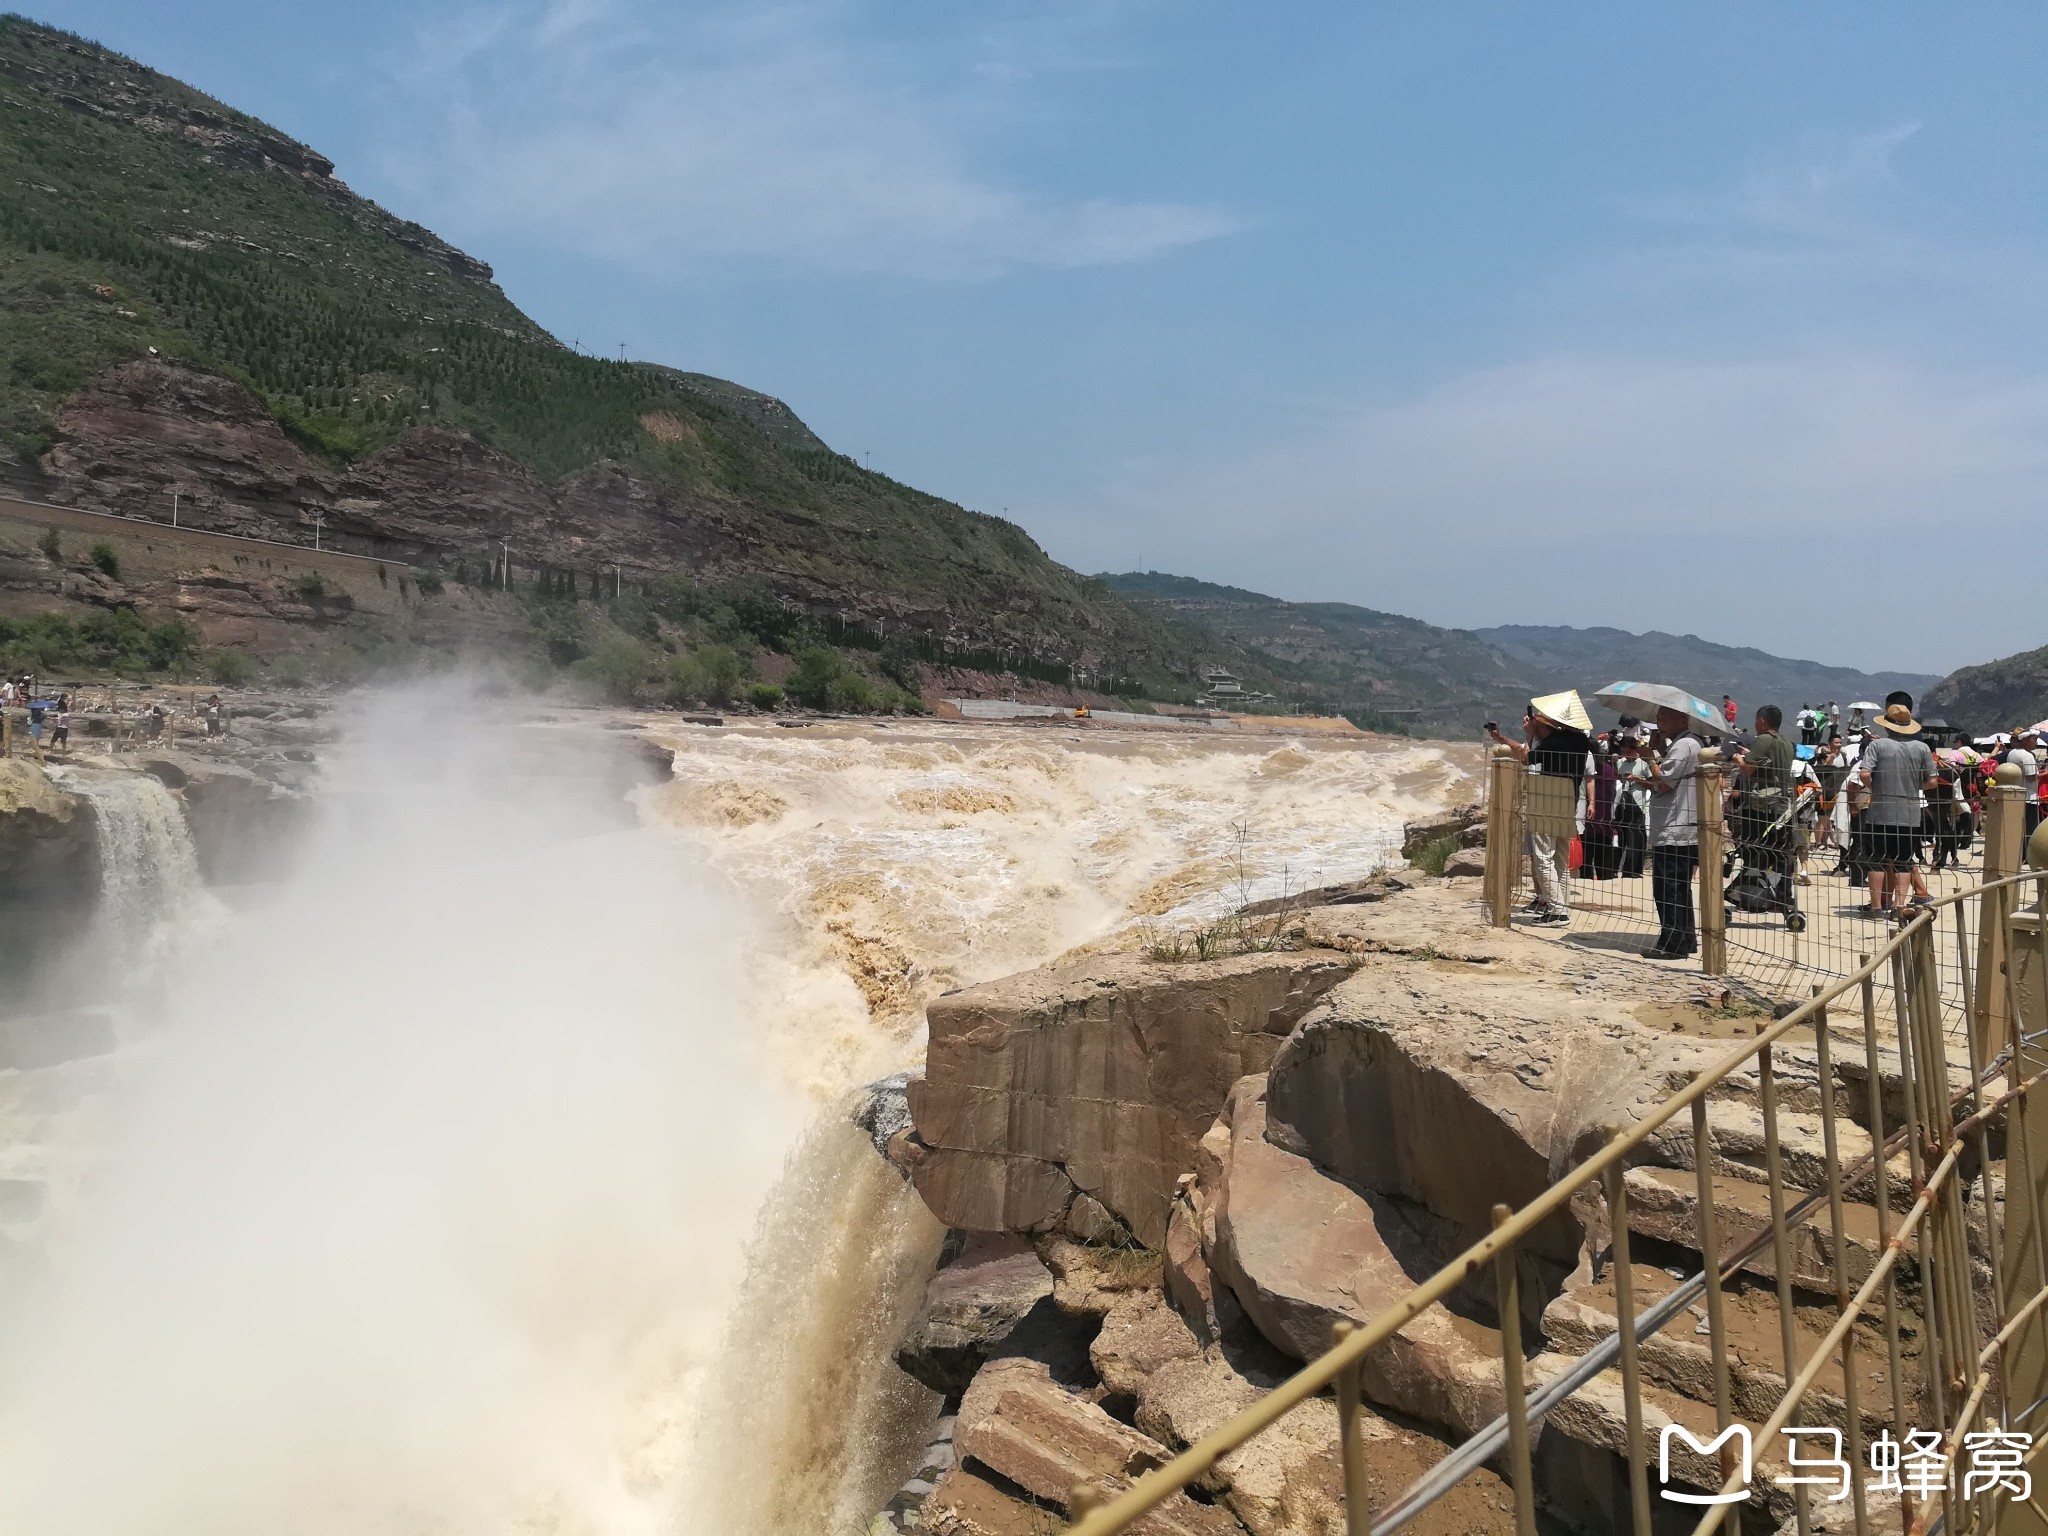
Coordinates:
[422,1209]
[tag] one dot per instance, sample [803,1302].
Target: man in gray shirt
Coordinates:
[1674,837]
[1897,767]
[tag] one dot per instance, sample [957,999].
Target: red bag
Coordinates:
[1578,855]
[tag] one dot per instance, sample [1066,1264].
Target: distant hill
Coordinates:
[1996,695]
[1353,659]
[1367,662]
[1750,677]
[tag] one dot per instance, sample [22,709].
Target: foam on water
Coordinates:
[465,1185]
[900,865]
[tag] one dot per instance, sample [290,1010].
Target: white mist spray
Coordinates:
[422,1211]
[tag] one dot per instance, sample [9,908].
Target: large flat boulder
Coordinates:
[1018,1423]
[972,1308]
[1301,1251]
[1094,1077]
[1288,1481]
[1458,1087]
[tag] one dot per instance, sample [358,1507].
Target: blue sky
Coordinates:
[1714,317]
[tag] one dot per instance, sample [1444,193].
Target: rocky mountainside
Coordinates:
[1367,662]
[1996,695]
[190,301]
[192,305]
[1398,667]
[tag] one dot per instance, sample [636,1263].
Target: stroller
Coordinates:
[1764,881]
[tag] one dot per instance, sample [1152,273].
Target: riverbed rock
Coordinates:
[47,837]
[1096,1076]
[966,1505]
[1018,1423]
[1288,1481]
[882,1110]
[1301,1252]
[1459,1087]
[1092,1278]
[1467,823]
[242,823]
[992,1299]
[1140,1334]
[1466,864]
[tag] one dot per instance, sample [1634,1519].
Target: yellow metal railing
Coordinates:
[1984,1331]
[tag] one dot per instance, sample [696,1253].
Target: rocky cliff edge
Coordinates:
[1169,1181]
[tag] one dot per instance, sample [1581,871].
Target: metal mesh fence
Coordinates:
[1785,881]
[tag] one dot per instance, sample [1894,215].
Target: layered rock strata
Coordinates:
[1440,1068]
[1072,1098]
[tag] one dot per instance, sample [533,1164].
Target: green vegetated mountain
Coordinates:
[1751,677]
[169,264]
[1996,695]
[1379,666]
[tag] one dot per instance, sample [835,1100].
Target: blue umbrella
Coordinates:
[1648,698]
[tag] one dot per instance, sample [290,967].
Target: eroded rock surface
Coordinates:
[1017,1422]
[1301,1252]
[1095,1078]
[994,1298]
[1458,1088]
[46,835]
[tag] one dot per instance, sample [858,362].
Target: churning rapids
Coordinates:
[489,1174]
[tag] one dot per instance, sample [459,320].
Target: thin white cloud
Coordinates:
[659,139]
[1845,508]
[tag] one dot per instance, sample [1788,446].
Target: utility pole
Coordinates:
[506,583]
[618,583]
[174,506]
[318,519]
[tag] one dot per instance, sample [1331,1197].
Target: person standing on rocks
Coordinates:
[1897,768]
[1554,749]
[1674,837]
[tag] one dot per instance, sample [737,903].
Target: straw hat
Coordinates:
[1565,708]
[1898,719]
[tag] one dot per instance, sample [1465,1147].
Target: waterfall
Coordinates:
[149,874]
[807,1426]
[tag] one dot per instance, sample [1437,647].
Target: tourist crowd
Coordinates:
[1882,793]
[42,716]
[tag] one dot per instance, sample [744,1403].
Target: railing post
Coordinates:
[2025,985]
[1713,848]
[2005,815]
[1503,834]
[1357,1492]
[1512,1385]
